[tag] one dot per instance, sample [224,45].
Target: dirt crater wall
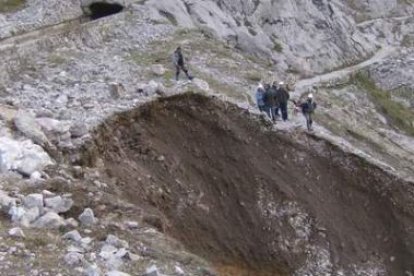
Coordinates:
[252,201]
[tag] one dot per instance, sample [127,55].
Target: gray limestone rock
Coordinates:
[158,69]
[29,216]
[115,241]
[22,156]
[78,130]
[16,213]
[16,232]
[59,204]
[33,200]
[117,273]
[6,201]
[152,271]
[49,220]
[87,218]
[73,236]
[27,125]
[73,258]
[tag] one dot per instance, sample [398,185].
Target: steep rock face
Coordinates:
[301,36]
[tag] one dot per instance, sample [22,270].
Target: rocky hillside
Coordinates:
[111,167]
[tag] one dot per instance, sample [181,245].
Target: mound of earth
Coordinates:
[253,201]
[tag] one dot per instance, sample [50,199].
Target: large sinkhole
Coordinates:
[252,201]
[102,9]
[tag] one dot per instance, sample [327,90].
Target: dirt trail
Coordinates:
[38,34]
[383,53]
[252,201]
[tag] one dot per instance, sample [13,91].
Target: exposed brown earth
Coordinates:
[233,191]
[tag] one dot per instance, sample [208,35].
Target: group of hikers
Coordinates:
[272,98]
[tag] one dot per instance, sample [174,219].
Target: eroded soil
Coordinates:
[252,201]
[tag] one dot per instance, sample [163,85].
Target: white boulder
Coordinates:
[115,241]
[33,200]
[73,236]
[53,126]
[152,271]
[29,216]
[87,217]
[158,69]
[93,270]
[26,124]
[16,213]
[16,232]
[49,220]
[73,258]
[6,201]
[108,251]
[59,204]
[22,156]
[117,273]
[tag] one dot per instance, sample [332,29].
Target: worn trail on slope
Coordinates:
[382,54]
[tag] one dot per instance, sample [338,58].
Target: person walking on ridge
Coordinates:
[260,94]
[283,98]
[271,101]
[178,60]
[308,107]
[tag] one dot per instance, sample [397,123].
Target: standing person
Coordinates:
[267,100]
[178,60]
[308,107]
[283,98]
[271,101]
[275,91]
[260,94]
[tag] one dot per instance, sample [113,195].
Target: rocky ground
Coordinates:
[69,166]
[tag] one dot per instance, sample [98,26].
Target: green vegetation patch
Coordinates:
[11,5]
[399,115]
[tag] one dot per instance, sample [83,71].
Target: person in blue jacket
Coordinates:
[260,95]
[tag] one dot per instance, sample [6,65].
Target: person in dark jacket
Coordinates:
[260,94]
[271,100]
[283,98]
[178,60]
[308,107]
[275,90]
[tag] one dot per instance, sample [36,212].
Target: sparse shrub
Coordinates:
[169,16]
[253,76]
[11,5]
[399,115]
[276,44]
[252,32]
[277,47]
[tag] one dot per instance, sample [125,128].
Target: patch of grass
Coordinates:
[11,5]
[399,115]
[37,241]
[253,76]
[358,135]
[56,59]
[408,41]
[276,45]
[221,88]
